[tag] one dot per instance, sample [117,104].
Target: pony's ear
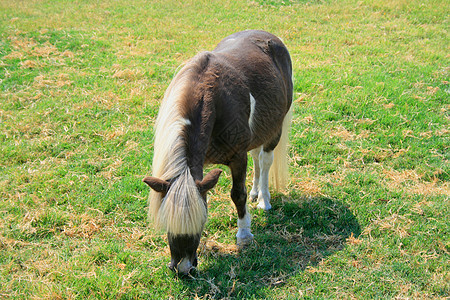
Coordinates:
[157,184]
[209,181]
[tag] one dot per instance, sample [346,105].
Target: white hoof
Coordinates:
[244,238]
[264,200]
[264,205]
[253,195]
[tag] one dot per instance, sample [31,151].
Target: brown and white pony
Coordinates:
[219,106]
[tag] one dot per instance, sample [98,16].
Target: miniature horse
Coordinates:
[219,106]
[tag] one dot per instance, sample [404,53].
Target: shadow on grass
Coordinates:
[295,234]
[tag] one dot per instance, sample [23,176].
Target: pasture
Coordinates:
[366,214]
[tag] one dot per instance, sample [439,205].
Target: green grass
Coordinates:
[366,213]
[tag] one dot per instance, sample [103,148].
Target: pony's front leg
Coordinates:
[239,196]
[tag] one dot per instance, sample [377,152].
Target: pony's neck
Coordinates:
[198,135]
[186,120]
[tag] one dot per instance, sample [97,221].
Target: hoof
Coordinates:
[264,200]
[263,205]
[244,242]
[253,195]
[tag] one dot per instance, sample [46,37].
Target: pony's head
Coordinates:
[181,210]
[177,202]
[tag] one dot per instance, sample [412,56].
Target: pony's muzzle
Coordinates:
[183,252]
[184,267]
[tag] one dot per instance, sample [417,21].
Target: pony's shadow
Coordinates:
[296,233]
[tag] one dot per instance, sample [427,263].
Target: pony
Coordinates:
[222,104]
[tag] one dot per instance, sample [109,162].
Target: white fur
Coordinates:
[262,161]
[257,172]
[244,234]
[182,211]
[187,122]
[252,112]
[184,266]
[265,161]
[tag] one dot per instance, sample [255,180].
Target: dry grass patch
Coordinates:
[211,247]
[342,133]
[128,74]
[84,226]
[395,224]
[307,186]
[411,182]
[59,81]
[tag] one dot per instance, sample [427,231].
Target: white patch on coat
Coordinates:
[265,161]
[252,111]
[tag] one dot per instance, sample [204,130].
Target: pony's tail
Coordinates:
[279,172]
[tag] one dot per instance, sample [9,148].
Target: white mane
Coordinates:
[182,210]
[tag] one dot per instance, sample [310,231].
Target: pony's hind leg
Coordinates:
[257,172]
[239,196]
[265,161]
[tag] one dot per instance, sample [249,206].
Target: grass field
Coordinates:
[366,214]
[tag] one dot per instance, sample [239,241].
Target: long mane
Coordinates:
[182,210]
